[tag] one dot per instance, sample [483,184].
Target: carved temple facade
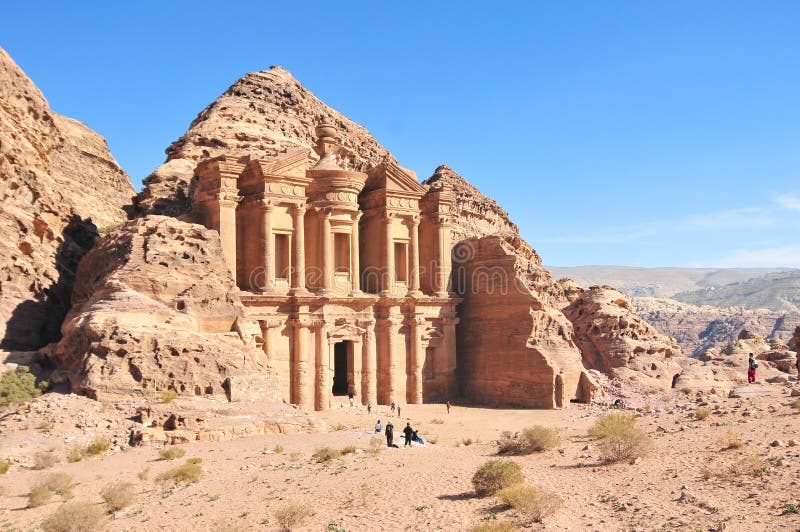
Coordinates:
[346,272]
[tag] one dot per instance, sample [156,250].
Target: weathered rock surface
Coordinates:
[697,329]
[58,184]
[614,340]
[154,308]
[795,341]
[261,115]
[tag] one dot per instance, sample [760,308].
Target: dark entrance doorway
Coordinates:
[340,368]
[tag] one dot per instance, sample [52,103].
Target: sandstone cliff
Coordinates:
[795,341]
[699,328]
[154,308]
[58,184]
[262,114]
[614,340]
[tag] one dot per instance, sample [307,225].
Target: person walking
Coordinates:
[393,407]
[448,406]
[398,410]
[378,427]
[389,434]
[752,365]
[369,408]
[408,432]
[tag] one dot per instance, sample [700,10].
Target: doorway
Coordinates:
[340,368]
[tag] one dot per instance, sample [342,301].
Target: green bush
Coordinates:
[168,396]
[18,387]
[496,475]
[98,446]
[532,440]
[187,472]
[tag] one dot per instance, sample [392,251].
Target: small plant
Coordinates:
[194,460]
[325,454]
[796,404]
[168,396]
[98,446]
[295,456]
[375,444]
[466,442]
[686,391]
[74,516]
[437,421]
[432,438]
[339,426]
[18,387]
[366,491]
[754,466]
[791,509]
[38,496]
[495,475]
[60,483]
[118,495]
[291,515]
[349,449]
[730,440]
[171,453]
[75,454]
[621,439]
[5,465]
[44,460]
[44,426]
[536,503]
[184,473]
[702,413]
[278,449]
[533,439]
[144,473]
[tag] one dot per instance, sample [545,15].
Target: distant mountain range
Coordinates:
[704,307]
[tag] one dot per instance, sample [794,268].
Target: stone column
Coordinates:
[267,327]
[227,232]
[327,255]
[322,368]
[299,250]
[390,391]
[413,262]
[354,381]
[268,259]
[416,328]
[443,277]
[448,355]
[369,394]
[388,256]
[355,260]
[300,365]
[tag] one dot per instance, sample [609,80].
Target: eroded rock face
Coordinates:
[795,341]
[514,349]
[59,184]
[261,115]
[154,308]
[614,340]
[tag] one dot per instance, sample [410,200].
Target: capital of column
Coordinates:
[267,205]
[298,210]
[272,323]
[299,323]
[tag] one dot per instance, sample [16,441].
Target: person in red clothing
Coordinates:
[752,365]
[448,406]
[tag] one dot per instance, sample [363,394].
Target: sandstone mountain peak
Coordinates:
[58,185]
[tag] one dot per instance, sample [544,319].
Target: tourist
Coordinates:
[408,432]
[369,408]
[389,433]
[448,406]
[752,365]
[393,407]
[350,398]
[378,427]
[398,410]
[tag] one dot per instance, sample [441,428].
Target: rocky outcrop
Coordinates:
[795,341]
[155,308]
[59,185]
[514,349]
[614,340]
[261,115]
[698,329]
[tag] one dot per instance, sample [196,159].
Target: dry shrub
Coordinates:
[98,446]
[194,460]
[278,449]
[796,404]
[75,516]
[366,491]
[753,466]
[432,438]
[496,475]
[61,483]
[291,515]
[325,454]
[184,473]
[339,426]
[119,495]
[144,473]
[171,453]
[702,413]
[44,460]
[535,503]
[437,421]
[730,440]
[533,439]
[621,439]
[376,444]
[168,396]
[466,442]
[5,465]
[494,526]
[38,496]
[75,454]
[349,449]
[295,456]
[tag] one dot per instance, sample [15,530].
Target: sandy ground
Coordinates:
[429,488]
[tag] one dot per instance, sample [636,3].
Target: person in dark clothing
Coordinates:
[389,434]
[752,365]
[408,432]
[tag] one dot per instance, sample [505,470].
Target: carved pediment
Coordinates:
[347,330]
[394,178]
[292,163]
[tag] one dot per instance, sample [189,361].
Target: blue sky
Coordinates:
[634,133]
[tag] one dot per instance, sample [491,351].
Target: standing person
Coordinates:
[389,433]
[378,427]
[408,432]
[448,406]
[393,407]
[350,397]
[369,408]
[752,365]
[398,410]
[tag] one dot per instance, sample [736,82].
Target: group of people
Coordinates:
[409,434]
